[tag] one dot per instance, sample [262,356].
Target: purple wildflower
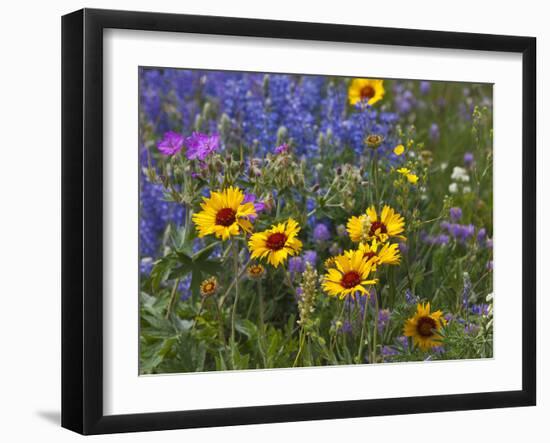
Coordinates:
[200,146]
[282,149]
[411,298]
[468,159]
[481,309]
[171,143]
[434,132]
[310,257]
[388,351]
[259,206]
[461,232]
[481,236]
[445,225]
[425,87]
[455,213]
[471,329]
[296,265]
[490,265]
[383,319]
[321,233]
[347,327]
[449,317]
[403,341]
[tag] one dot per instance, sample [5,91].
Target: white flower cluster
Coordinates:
[459,175]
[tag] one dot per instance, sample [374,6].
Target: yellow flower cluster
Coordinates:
[350,272]
[224,215]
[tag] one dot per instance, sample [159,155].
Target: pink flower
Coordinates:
[201,146]
[171,143]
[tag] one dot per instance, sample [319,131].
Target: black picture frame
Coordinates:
[82,218]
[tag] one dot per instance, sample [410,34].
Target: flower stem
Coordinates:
[375,176]
[172,301]
[234,310]
[261,327]
[375,328]
[363,328]
[289,281]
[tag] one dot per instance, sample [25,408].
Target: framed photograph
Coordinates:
[270,221]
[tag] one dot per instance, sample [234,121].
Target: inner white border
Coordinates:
[125,392]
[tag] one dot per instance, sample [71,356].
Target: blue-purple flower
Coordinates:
[455,213]
[434,132]
[321,233]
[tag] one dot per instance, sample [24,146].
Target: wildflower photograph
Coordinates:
[293,220]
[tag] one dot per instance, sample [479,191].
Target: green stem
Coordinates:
[362,340]
[375,176]
[172,301]
[230,287]
[234,310]
[220,323]
[375,327]
[198,315]
[261,327]
[289,281]
[302,341]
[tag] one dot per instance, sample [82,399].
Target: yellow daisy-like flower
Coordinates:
[388,255]
[424,327]
[370,90]
[350,276]
[224,214]
[209,287]
[255,271]
[399,149]
[277,243]
[369,226]
[330,263]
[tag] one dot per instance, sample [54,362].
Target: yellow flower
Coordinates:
[223,214]
[350,276]
[411,177]
[255,271]
[330,263]
[277,243]
[424,327]
[388,255]
[209,287]
[399,149]
[369,226]
[365,89]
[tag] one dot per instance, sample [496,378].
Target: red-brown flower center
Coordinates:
[369,255]
[225,217]
[367,92]
[425,326]
[276,241]
[350,279]
[377,225]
